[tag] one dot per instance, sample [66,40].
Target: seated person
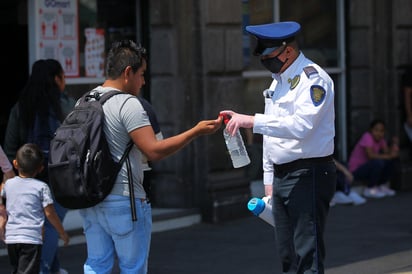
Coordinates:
[344,194]
[372,161]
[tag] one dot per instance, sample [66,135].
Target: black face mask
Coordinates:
[273,64]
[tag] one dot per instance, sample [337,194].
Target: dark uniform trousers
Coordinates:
[302,190]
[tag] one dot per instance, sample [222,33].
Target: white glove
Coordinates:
[237,121]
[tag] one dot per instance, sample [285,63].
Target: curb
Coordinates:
[164,219]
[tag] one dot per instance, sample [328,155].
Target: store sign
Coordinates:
[56,33]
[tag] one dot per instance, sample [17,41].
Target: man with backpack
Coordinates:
[108,226]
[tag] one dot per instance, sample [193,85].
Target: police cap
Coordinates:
[273,35]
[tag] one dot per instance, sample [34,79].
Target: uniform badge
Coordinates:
[294,82]
[318,94]
[309,70]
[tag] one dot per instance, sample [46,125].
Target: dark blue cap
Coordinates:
[273,35]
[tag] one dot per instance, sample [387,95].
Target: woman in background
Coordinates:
[41,108]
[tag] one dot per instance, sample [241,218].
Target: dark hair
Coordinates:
[41,94]
[262,44]
[122,54]
[55,68]
[29,158]
[376,122]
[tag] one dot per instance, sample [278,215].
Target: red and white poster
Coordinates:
[56,33]
[94,52]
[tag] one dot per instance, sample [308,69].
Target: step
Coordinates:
[164,219]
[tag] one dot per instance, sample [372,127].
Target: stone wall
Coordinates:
[195,67]
[379,41]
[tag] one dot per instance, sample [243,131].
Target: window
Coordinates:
[79,32]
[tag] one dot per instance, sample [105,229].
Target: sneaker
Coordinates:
[356,198]
[341,198]
[373,192]
[387,190]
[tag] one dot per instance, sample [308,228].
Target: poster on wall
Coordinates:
[56,33]
[94,52]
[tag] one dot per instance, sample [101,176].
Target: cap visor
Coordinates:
[268,51]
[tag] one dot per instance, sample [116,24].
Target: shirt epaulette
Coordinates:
[310,70]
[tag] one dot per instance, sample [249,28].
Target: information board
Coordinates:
[56,33]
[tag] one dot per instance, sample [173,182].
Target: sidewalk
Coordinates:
[373,238]
[396,263]
[164,219]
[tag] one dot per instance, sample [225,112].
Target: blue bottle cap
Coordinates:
[256,205]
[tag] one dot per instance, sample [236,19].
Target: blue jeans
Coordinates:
[49,258]
[110,232]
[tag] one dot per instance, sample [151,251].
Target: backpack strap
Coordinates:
[102,98]
[126,152]
[130,181]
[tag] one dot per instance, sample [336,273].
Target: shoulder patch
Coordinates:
[310,70]
[318,94]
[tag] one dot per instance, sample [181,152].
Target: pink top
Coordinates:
[359,156]
[4,162]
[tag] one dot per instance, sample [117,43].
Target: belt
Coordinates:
[301,163]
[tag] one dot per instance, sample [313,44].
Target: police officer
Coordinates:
[298,131]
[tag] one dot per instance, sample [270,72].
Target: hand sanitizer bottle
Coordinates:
[262,208]
[236,147]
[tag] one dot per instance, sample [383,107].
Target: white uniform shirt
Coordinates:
[299,117]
